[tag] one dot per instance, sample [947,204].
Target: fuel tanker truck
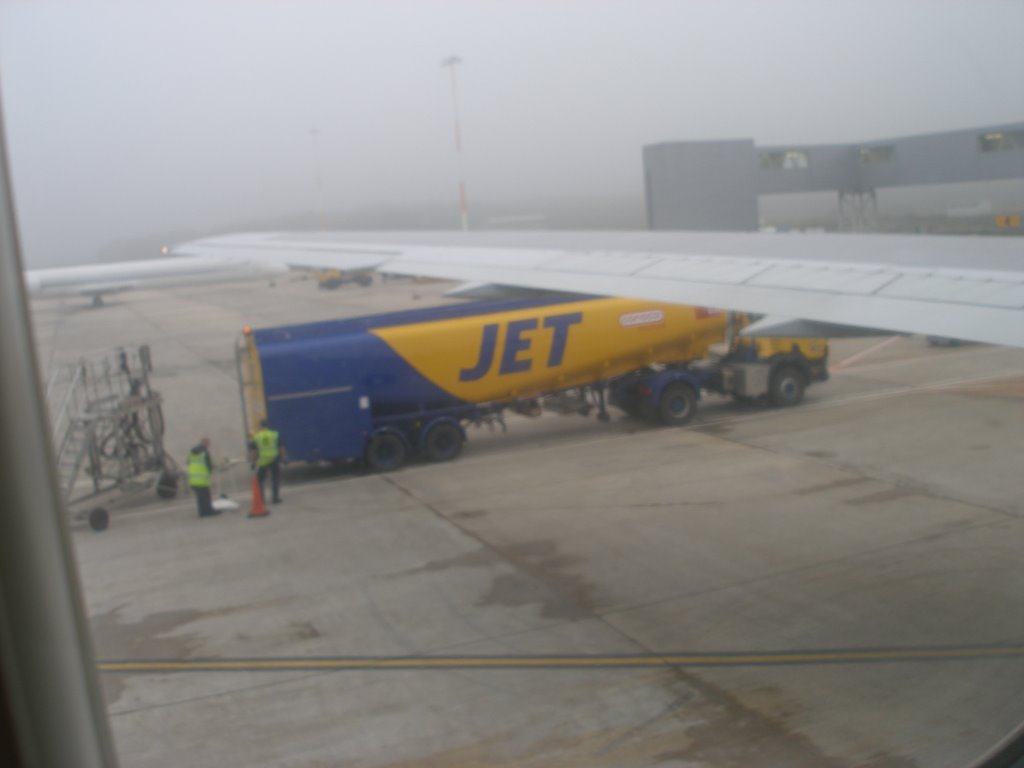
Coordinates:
[386,387]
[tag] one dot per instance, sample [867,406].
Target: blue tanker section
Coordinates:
[326,393]
[329,385]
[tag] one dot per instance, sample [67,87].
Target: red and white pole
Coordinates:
[451,62]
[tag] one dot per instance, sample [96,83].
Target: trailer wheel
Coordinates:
[787,386]
[167,485]
[386,452]
[677,405]
[443,442]
[99,519]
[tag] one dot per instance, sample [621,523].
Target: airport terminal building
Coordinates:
[724,185]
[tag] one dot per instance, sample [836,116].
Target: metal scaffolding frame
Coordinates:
[108,429]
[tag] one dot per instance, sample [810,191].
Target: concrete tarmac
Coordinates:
[836,584]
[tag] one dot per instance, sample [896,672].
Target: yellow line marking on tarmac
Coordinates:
[964,653]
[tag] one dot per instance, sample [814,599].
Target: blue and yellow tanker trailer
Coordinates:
[384,387]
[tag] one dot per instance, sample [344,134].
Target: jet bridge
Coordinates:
[108,429]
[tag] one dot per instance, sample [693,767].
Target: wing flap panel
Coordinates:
[601,263]
[853,280]
[531,259]
[958,291]
[705,270]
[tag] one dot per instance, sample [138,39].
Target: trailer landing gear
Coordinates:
[602,409]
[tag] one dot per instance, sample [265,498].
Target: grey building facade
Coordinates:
[715,185]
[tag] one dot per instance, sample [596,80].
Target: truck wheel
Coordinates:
[677,405]
[386,452]
[99,519]
[443,442]
[787,387]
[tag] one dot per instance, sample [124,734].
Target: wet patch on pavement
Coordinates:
[304,630]
[714,428]
[151,638]
[480,558]
[469,514]
[820,454]
[841,483]
[882,497]
[541,576]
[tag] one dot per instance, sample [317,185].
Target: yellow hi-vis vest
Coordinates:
[198,472]
[266,444]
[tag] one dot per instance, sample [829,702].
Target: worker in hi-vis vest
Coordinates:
[200,466]
[266,451]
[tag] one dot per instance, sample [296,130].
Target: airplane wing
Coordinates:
[969,288]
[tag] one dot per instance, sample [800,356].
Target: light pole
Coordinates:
[451,62]
[314,134]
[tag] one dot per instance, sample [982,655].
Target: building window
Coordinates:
[791,160]
[875,155]
[998,141]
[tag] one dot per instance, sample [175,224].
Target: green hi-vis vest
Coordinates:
[198,472]
[266,443]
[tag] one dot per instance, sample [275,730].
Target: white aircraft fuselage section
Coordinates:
[101,279]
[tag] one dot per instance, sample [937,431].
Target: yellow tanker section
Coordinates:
[250,382]
[524,353]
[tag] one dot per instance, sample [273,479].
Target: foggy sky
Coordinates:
[125,120]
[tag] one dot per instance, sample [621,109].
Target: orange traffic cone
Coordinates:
[259,509]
